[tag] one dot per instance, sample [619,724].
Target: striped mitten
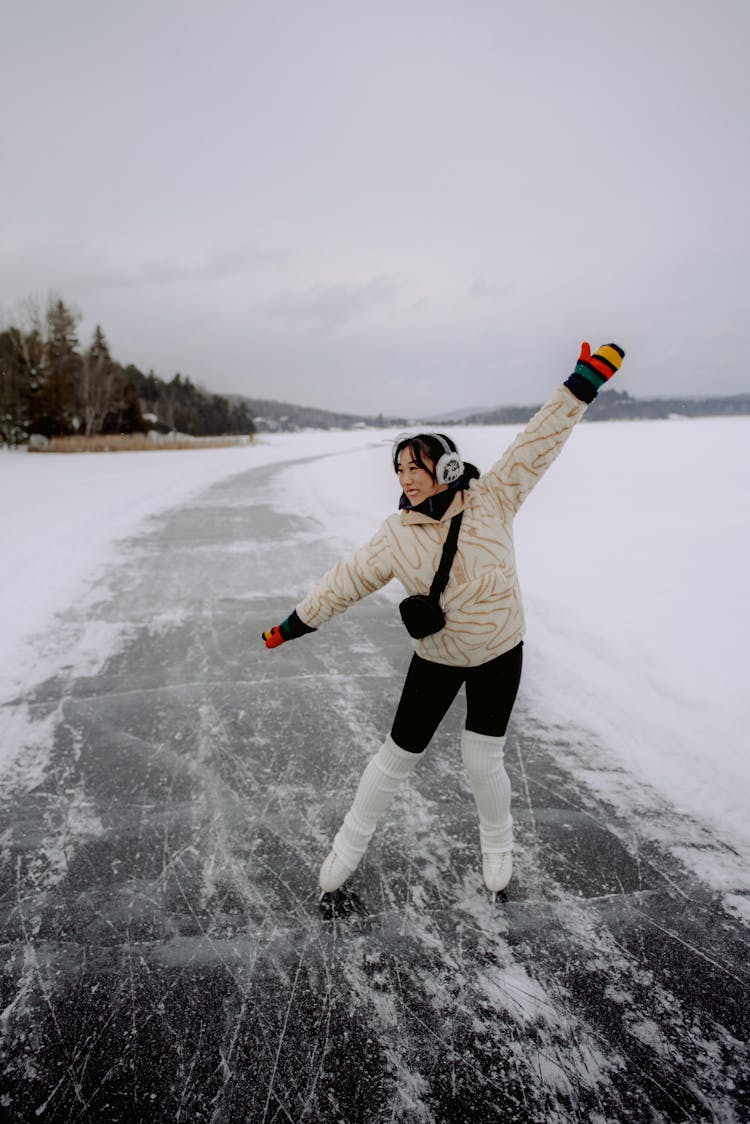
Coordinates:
[289,629]
[592,371]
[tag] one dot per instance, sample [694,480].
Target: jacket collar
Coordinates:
[456,505]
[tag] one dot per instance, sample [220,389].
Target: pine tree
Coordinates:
[14,389]
[97,382]
[56,398]
[21,377]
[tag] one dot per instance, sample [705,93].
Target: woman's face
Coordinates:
[417,482]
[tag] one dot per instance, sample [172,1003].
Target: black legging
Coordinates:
[430,688]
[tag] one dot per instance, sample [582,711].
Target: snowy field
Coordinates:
[633,554]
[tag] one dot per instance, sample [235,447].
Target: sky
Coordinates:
[397,206]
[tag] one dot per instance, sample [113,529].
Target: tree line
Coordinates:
[51,385]
[619,405]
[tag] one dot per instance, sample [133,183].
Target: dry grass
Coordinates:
[136,442]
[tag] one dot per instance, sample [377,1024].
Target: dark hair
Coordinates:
[421,445]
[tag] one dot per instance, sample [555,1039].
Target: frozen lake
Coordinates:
[171,788]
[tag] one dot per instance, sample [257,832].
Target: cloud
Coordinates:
[323,307]
[480,287]
[216,265]
[62,261]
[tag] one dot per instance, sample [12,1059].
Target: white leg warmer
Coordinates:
[378,785]
[483,758]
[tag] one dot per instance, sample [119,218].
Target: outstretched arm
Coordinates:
[526,460]
[351,579]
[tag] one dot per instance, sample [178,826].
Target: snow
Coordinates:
[633,554]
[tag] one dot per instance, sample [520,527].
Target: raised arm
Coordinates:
[351,579]
[525,461]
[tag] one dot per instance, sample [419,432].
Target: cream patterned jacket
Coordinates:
[482,601]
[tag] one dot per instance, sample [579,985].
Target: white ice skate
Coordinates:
[483,759]
[497,870]
[333,873]
[378,785]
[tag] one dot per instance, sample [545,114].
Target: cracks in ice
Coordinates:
[186,906]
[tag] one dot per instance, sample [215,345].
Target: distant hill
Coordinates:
[614,405]
[453,416]
[270,416]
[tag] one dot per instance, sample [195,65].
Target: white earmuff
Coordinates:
[449,466]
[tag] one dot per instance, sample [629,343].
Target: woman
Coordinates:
[480,645]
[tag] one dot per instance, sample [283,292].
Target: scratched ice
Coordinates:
[166,954]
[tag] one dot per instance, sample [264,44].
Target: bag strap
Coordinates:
[440,581]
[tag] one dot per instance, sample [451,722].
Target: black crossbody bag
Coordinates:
[422,613]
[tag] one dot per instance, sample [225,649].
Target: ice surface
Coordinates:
[174,788]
